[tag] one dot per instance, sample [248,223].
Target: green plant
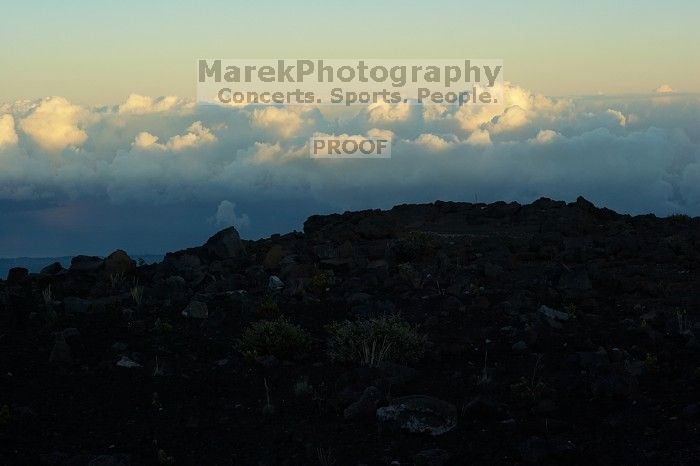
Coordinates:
[162,327]
[302,387]
[651,363]
[411,275]
[47,295]
[530,387]
[137,293]
[325,456]
[683,323]
[323,280]
[373,341]
[164,459]
[268,307]
[268,409]
[484,378]
[277,337]
[571,309]
[116,279]
[5,415]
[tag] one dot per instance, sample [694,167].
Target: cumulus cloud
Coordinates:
[226,216]
[545,136]
[628,153]
[432,142]
[55,124]
[8,135]
[480,137]
[195,135]
[664,89]
[137,104]
[520,107]
[383,112]
[284,122]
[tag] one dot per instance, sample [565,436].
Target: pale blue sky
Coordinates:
[95,52]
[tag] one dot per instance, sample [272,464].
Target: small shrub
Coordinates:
[651,364]
[530,387]
[269,408]
[164,459]
[5,416]
[302,387]
[47,295]
[412,276]
[136,293]
[679,218]
[268,307]
[323,280]
[325,456]
[277,337]
[116,279]
[162,327]
[372,341]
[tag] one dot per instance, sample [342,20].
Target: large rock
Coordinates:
[553,314]
[196,310]
[17,275]
[52,269]
[226,244]
[420,414]
[119,262]
[86,264]
[61,353]
[365,407]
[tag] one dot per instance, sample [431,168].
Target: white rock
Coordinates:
[128,363]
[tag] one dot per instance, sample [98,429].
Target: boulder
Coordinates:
[60,354]
[127,363]
[365,407]
[226,244]
[52,269]
[119,262]
[420,414]
[17,275]
[86,264]
[196,310]
[275,283]
[553,314]
[75,305]
[273,257]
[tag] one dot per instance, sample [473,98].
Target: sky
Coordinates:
[103,147]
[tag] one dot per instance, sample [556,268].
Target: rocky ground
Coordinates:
[439,334]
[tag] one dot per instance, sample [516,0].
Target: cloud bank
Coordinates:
[635,155]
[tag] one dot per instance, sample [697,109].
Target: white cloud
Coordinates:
[617,115]
[480,137]
[284,122]
[664,89]
[383,112]
[628,153]
[226,216]
[196,135]
[137,104]
[520,107]
[432,142]
[56,124]
[8,135]
[545,136]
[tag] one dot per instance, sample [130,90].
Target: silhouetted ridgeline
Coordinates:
[436,334]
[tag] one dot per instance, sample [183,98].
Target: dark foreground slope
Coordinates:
[544,333]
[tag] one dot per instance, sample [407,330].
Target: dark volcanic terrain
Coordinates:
[438,334]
